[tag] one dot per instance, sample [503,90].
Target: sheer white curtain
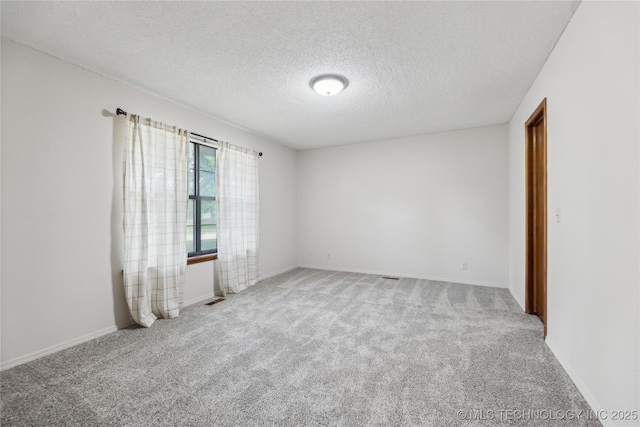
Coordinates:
[238,217]
[155,202]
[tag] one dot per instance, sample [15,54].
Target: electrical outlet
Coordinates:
[464,265]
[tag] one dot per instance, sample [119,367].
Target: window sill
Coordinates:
[201,258]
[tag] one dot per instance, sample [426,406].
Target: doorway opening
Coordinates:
[536,212]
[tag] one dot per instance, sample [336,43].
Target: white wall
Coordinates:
[62,201]
[414,207]
[591,85]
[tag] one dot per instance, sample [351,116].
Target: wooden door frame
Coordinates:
[538,116]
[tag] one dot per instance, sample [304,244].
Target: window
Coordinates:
[201,210]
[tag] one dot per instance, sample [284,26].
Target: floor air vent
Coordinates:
[391,277]
[215,301]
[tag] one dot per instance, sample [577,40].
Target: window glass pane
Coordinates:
[208,221]
[207,158]
[192,182]
[191,218]
[191,246]
[192,157]
[192,172]
[208,212]
[209,240]
[207,184]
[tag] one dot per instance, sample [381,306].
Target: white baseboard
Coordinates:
[515,297]
[56,348]
[582,388]
[198,299]
[409,276]
[275,273]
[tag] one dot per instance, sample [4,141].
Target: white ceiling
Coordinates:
[413,67]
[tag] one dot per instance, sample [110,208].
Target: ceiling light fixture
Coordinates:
[328,84]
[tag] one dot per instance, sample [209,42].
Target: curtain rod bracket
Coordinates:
[121,112]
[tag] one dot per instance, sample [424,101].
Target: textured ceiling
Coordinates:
[413,67]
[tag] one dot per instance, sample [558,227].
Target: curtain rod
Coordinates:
[121,112]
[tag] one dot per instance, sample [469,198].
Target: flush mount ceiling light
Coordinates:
[328,84]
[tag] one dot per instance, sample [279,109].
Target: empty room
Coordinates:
[320,213]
